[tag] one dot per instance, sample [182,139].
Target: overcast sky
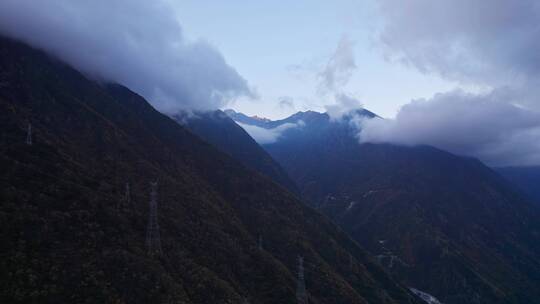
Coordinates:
[282,47]
[269,58]
[461,75]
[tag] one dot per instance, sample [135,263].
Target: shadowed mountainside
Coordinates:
[527,179]
[73,232]
[444,224]
[221,131]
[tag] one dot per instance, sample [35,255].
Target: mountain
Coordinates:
[242,118]
[446,225]
[221,131]
[527,179]
[106,200]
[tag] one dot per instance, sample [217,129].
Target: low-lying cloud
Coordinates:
[136,43]
[484,126]
[268,136]
[343,105]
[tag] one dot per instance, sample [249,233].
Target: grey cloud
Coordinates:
[335,76]
[268,136]
[344,104]
[339,69]
[286,102]
[136,43]
[483,126]
[487,42]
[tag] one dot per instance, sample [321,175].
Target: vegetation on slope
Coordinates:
[70,235]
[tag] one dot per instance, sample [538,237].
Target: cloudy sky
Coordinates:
[284,49]
[460,75]
[457,74]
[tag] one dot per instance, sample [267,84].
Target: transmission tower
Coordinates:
[301,294]
[125,202]
[260,243]
[127,196]
[29,135]
[153,239]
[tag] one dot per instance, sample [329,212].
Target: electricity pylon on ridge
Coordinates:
[301,293]
[153,239]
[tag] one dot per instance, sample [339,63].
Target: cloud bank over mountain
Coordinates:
[136,43]
[483,126]
[268,136]
[492,45]
[485,42]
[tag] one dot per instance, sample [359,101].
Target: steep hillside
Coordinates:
[221,131]
[75,195]
[444,224]
[242,118]
[527,179]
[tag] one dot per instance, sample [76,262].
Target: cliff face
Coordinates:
[75,207]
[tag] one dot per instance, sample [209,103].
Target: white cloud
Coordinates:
[491,43]
[343,105]
[483,126]
[268,136]
[286,103]
[136,43]
[335,76]
[339,69]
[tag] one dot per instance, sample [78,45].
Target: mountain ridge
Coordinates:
[221,131]
[75,206]
[445,224]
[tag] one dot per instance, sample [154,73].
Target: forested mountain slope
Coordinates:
[218,129]
[444,224]
[74,207]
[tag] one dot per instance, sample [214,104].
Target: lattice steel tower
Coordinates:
[127,197]
[301,294]
[260,242]
[153,239]
[29,135]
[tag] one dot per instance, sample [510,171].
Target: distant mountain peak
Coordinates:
[245,119]
[306,116]
[260,118]
[437,213]
[219,129]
